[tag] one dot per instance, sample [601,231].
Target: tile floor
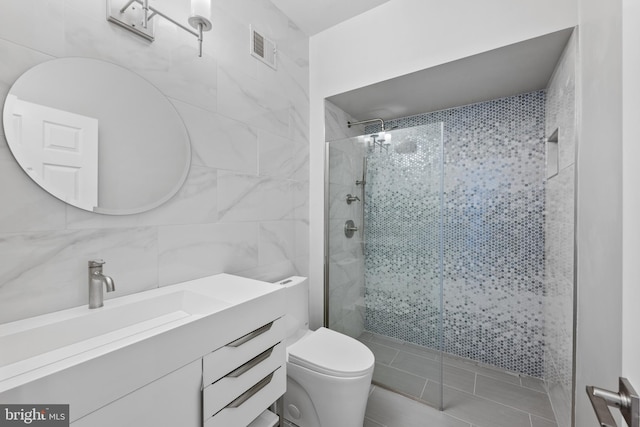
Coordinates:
[474,395]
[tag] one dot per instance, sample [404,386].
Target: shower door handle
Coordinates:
[626,399]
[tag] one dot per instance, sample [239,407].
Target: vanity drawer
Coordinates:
[218,395]
[268,390]
[225,359]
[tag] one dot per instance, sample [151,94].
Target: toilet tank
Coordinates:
[297,304]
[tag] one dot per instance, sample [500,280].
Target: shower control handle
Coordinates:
[350,228]
[351,198]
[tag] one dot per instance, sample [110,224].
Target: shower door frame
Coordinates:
[327,228]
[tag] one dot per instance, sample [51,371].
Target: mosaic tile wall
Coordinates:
[492,229]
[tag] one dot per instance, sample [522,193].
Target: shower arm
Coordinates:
[349,124]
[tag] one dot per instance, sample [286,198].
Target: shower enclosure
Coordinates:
[441,271]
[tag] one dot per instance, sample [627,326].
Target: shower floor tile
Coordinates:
[388,409]
[525,399]
[474,395]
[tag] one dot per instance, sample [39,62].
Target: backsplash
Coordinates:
[244,206]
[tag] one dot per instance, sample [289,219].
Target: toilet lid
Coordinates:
[332,353]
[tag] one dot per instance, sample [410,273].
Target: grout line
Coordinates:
[500,404]
[475,382]
[406,372]
[394,357]
[424,388]
[417,355]
[545,418]
[408,396]
[375,421]
[553,404]
[531,388]
[458,419]
[527,389]
[426,378]
[384,345]
[391,388]
[514,408]
[563,169]
[491,372]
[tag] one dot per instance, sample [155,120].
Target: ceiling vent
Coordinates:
[263,48]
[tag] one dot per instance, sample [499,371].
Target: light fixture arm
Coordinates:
[200,38]
[145,17]
[199,23]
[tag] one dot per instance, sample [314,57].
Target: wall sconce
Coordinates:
[137,17]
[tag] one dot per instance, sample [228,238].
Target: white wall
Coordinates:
[243,208]
[599,207]
[400,37]
[630,190]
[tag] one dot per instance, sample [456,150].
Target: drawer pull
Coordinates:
[251,363]
[251,392]
[250,335]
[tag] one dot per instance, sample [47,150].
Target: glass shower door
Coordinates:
[384,282]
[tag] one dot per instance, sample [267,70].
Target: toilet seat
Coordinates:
[331,353]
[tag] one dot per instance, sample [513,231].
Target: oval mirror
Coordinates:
[96,136]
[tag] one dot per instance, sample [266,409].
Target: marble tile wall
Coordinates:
[244,206]
[346,258]
[336,123]
[559,235]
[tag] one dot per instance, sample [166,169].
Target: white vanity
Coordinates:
[207,352]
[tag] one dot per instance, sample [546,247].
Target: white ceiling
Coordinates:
[314,16]
[519,68]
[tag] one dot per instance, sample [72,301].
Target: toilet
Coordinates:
[328,373]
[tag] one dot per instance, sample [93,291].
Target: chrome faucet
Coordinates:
[96,281]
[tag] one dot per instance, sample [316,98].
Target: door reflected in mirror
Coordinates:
[96,136]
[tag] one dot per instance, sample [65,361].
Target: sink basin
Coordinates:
[42,340]
[129,343]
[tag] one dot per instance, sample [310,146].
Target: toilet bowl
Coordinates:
[328,373]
